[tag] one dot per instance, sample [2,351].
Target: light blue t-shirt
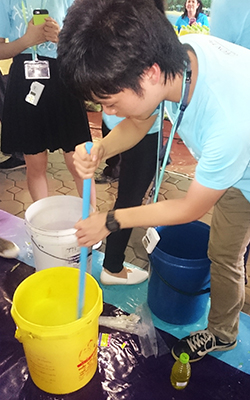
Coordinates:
[14,18]
[201,20]
[216,123]
[112,120]
[230,20]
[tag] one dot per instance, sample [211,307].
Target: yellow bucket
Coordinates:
[61,351]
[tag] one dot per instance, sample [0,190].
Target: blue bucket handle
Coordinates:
[200,292]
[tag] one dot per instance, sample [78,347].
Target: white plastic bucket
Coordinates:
[50,225]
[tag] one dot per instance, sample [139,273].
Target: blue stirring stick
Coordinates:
[84,250]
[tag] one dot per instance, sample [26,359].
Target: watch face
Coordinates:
[111,223]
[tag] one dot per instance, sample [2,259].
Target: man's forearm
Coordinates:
[196,203]
[125,135]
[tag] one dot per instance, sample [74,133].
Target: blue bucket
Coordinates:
[178,288]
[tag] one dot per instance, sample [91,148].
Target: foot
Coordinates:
[127,276]
[96,246]
[12,163]
[108,175]
[199,343]
[8,249]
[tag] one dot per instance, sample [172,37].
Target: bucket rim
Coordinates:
[53,200]
[56,331]
[51,232]
[171,257]
[195,222]
[174,258]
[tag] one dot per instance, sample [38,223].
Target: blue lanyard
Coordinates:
[182,107]
[43,4]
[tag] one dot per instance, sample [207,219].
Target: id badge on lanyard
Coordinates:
[35,69]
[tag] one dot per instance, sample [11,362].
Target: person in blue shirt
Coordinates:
[129,66]
[56,120]
[231,22]
[192,15]
[134,169]
[111,171]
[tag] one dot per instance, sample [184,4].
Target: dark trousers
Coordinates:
[3,83]
[137,171]
[113,161]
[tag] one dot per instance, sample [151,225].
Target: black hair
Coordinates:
[106,46]
[160,5]
[198,10]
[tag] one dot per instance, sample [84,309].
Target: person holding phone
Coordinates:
[39,113]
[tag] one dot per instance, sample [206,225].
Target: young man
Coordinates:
[231,21]
[126,55]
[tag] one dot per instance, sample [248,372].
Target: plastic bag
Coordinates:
[139,323]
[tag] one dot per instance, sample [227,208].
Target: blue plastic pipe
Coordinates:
[84,250]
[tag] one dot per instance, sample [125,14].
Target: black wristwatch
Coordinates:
[111,223]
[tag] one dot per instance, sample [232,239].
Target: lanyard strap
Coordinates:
[182,107]
[159,146]
[43,3]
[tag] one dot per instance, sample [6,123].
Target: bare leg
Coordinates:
[68,157]
[36,175]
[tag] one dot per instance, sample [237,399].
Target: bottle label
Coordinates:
[181,384]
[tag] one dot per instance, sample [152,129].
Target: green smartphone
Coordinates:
[39,16]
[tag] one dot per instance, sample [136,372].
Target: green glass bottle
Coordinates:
[181,372]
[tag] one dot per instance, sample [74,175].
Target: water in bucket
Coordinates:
[50,225]
[61,350]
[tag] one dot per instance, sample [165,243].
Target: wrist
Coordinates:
[26,41]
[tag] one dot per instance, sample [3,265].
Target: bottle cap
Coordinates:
[184,358]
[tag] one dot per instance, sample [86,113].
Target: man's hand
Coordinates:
[92,229]
[85,163]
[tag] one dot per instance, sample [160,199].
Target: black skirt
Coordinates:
[58,121]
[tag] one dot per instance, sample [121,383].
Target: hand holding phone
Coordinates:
[39,16]
[51,30]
